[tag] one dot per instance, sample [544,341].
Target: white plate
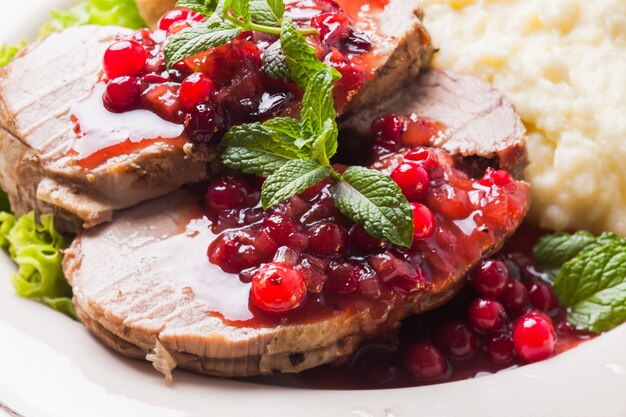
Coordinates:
[51,367]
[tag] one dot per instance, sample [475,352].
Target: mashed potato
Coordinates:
[563,65]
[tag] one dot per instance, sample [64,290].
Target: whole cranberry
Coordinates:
[412,179]
[280,227]
[328,239]
[121,94]
[178,15]
[388,131]
[515,297]
[230,193]
[486,315]
[456,339]
[343,277]
[499,348]
[124,58]
[277,288]
[364,242]
[206,122]
[534,337]
[195,89]
[497,178]
[234,252]
[541,296]
[423,221]
[425,363]
[333,27]
[422,156]
[490,278]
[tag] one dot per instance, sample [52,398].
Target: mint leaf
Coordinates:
[204,7]
[552,251]
[593,286]
[267,12]
[326,143]
[259,149]
[292,178]
[373,200]
[275,64]
[198,39]
[241,8]
[300,56]
[318,104]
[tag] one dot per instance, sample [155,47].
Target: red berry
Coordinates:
[121,94]
[280,227]
[422,156]
[534,337]
[423,221]
[541,296]
[230,193]
[456,339]
[333,27]
[328,239]
[124,58]
[496,178]
[364,242]
[486,315]
[515,297]
[499,348]
[343,277]
[426,363]
[412,179]
[277,287]
[388,130]
[195,89]
[233,252]
[176,16]
[490,278]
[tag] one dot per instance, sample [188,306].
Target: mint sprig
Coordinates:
[295,155]
[226,20]
[590,279]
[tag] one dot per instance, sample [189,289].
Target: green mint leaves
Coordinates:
[199,38]
[374,201]
[295,155]
[227,19]
[591,281]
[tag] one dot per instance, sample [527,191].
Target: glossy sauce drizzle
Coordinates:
[102,135]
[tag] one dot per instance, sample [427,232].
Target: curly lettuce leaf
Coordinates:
[8,51]
[95,12]
[37,248]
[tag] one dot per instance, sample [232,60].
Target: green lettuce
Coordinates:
[37,249]
[7,52]
[95,12]
[91,12]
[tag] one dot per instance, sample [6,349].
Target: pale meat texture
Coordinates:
[37,93]
[152,298]
[39,89]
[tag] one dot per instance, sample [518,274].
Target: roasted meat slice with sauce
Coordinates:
[162,298]
[62,152]
[468,108]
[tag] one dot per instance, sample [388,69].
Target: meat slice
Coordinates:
[40,90]
[37,93]
[479,121]
[162,295]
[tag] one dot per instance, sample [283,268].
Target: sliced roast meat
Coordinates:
[479,122]
[164,299]
[43,165]
[38,92]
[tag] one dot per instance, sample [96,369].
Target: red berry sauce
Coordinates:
[226,86]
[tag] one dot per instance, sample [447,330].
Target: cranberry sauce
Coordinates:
[492,325]
[224,86]
[310,244]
